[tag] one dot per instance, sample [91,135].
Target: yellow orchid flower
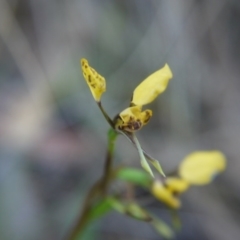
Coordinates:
[132,118]
[198,168]
[165,195]
[201,167]
[95,81]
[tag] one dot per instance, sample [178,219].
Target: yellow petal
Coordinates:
[165,195]
[95,81]
[201,167]
[176,185]
[152,86]
[132,119]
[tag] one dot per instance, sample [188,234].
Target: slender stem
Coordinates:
[112,135]
[98,190]
[83,218]
[109,120]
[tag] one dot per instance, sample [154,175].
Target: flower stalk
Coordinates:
[98,191]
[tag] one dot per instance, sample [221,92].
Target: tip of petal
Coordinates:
[83,62]
[168,70]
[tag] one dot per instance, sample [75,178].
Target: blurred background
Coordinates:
[53,136]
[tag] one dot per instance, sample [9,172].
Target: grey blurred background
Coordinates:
[53,136]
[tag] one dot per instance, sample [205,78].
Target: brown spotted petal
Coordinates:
[95,81]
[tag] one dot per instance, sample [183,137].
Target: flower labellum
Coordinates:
[132,119]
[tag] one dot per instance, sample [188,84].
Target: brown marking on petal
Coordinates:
[134,125]
[137,125]
[120,127]
[89,78]
[93,85]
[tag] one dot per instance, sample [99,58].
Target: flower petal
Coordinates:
[152,86]
[165,195]
[132,119]
[176,185]
[95,81]
[201,167]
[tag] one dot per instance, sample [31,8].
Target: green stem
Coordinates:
[83,218]
[112,136]
[98,190]
[109,120]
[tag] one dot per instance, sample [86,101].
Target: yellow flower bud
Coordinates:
[201,167]
[95,81]
[152,86]
[165,195]
[176,185]
[132,119]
